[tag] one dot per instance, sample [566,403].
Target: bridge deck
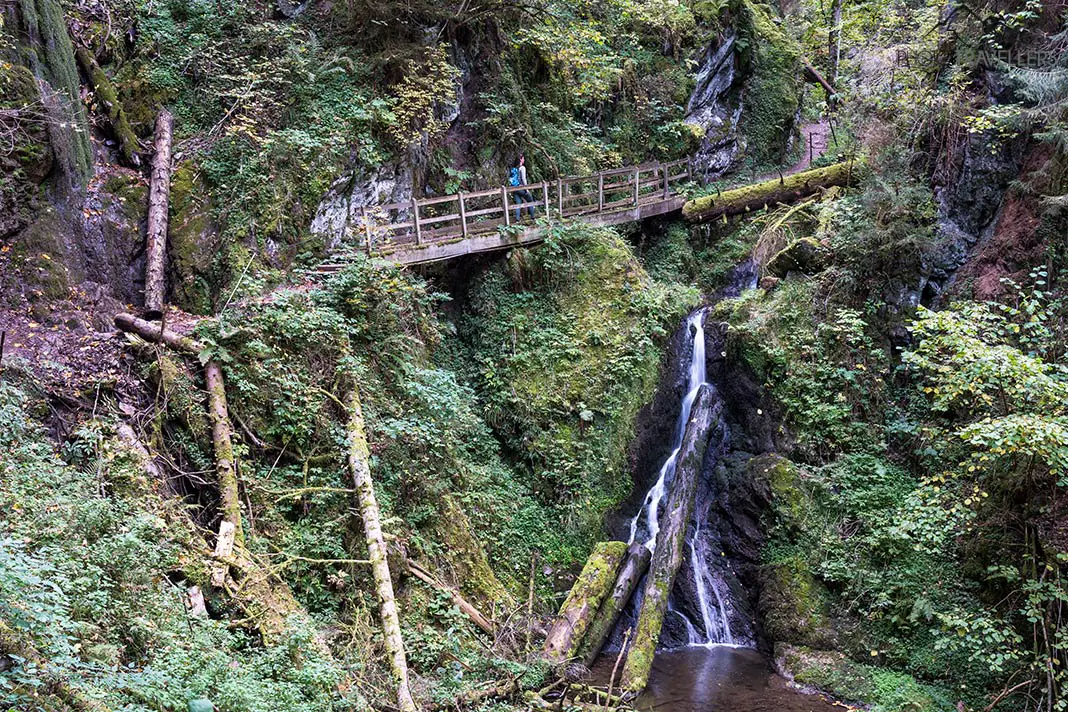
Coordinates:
[435,229]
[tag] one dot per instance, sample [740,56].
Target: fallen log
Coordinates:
[670,542]
[586,596]
[634,567]
[359,465]
[813,74]
[459,601]
[751,197]
[159,196]
[108,99]
[154,332]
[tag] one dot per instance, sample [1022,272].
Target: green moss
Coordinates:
[885,690]
[755,195]
[467,557]
[108,99]
[194,243]
[802,255]
[773,92]
[41,256]
[51,55]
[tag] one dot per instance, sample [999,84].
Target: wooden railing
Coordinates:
[386,228]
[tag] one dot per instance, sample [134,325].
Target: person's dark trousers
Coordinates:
[520,197]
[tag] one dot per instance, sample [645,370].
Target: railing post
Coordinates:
[463,216]
[415,222]
[667,172]
[504,202]
[560,195]
[637,182]
[600,192]
[366,227]
[545,197]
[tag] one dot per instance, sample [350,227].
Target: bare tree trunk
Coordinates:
[813,74]
[670,542]
[834,40]
[460,602]
[150,331]
[589,591]
[158,204]
[359,455]
[771,192]
[634,567]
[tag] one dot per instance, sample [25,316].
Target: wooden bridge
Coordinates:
[433,229]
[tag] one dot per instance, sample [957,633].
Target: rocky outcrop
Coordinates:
[803,255]
[338,215]
[715,107]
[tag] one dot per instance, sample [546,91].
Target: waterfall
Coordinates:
[712,600]
[651,505]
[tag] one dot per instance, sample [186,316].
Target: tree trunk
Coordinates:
[108,98]
[150,331]
[359,455]
[225,467]
[834,40]
[158,204]
[770,192]
[589,591]
[634,567]
[670,542]
[813,74]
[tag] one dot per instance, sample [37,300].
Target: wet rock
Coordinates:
[803,255]
[769,283]
[715,107]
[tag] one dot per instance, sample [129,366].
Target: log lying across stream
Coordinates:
[590,590]
[630,574]
[671,541]
[787,189]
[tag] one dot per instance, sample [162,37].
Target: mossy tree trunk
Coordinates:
[788,189]
[634,567]
[108,98]
[359,464]
[158,206]
[670,542]
[589,591]
[834,40]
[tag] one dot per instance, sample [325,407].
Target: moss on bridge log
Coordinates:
[770,192]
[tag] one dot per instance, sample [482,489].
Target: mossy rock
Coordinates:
[32,151]
[794,605]
[783,479]
[42,257]
[804,255]
[884,689]
[466,556]
[194,242]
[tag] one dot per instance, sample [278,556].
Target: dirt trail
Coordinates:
[815,140]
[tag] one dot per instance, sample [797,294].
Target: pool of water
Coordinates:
[700,679]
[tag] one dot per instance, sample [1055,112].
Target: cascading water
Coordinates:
[651,505]
[714,626]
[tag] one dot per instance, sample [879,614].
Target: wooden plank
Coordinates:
[545,197]
[560,196]
[600,192]
[484,211]
[415,221]
[463,216]
[504,204]
[423,222]
[437,201]
[665,169]
[637,182]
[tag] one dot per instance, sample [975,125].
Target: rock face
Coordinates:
[715,107]
[338,215]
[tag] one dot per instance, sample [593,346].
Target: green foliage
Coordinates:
[564,350]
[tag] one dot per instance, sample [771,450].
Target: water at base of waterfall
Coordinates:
[645,527]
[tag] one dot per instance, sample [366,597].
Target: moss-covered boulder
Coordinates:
[885,690]
[466,557]
[784,481]
[194,242]
[804,255]
[794,605]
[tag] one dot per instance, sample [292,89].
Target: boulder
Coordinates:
[803,255]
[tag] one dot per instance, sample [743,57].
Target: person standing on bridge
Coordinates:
[518,176]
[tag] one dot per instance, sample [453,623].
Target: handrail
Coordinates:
[390,226]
